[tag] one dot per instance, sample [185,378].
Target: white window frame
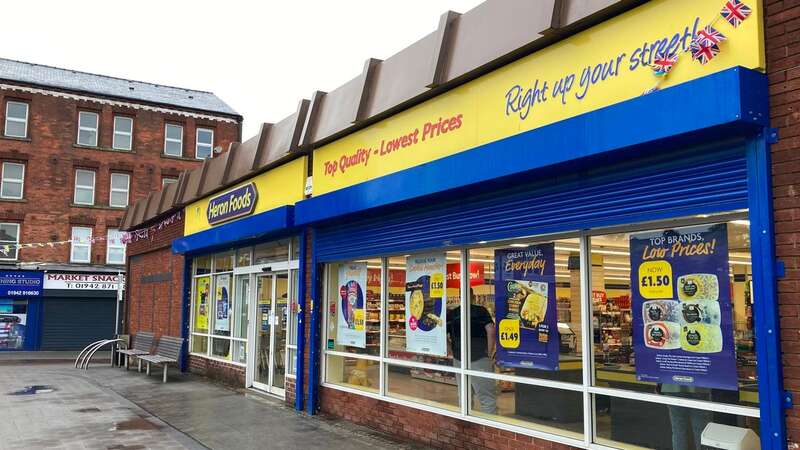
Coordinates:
[16,119]
[111,245]
[5,179]
[16,247]
[587,387]
[84,186]
[167,181]
[75,245]
[122,133]
[95,130]
[197,143]
[112,189]
[169,139]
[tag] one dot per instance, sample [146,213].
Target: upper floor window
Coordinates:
[9,239]
[12,180]
[166,181]
[16,119]
[87,128]
[81,250]
[173,140]
[120,185]
[115,248]
[84,187]
[205,143]
[123,133]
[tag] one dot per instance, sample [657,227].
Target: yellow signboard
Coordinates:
[280,186]
[604,65]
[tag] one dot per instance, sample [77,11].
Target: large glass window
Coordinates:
[16,119]
[120,185]
[87,128]
[123,133]
[645,326]
[204,147]
[115,247]
[81,245]
[173,140]
[84,187]
[12,180]
[9,241]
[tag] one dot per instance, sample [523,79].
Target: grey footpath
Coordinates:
[109,408]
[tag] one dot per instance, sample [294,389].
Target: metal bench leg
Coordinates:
[165,373]
[140,365]
[127,361]
[148,368]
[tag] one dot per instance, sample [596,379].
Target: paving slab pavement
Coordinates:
[109,408]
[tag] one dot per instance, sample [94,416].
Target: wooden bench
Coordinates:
[168,351]
[142,345]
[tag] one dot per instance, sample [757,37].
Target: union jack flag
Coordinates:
[709,36]
[664,63]
[735,12]
[704,53]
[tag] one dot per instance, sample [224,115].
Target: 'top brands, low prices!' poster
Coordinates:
[527,327]
[351,305]
[682,318]
[426,304]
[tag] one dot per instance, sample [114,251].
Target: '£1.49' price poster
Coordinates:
[525,286]
[682,310]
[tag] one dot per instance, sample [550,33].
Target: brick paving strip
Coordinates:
[107,408]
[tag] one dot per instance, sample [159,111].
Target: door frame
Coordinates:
[254,323]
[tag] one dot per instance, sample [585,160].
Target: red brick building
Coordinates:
[75,150]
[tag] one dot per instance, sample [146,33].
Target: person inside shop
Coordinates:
[687,423]
[482,344]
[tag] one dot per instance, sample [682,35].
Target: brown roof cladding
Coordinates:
[462,48]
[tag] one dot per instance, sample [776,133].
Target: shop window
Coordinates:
[84,187]
[173,140]
[12,180]
[201,302]
[13,321]
[223,262]
[241,306]
[427,386]
[294,309]
[204,147]
[221,317]
[199,344]
[123,133]
[274,251]
[531,303]
[120,185]
[423,306]
[201,265]
[355,373]
[244,257]
[685,326]
[354,307]
[9,240]
[81,245]
[296,247]
[87,128]
[16,119]
[115,248]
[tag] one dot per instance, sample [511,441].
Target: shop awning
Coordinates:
[237,232]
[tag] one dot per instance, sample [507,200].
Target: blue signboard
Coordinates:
[21,284]
[232,204]
[682,309]
[527,328]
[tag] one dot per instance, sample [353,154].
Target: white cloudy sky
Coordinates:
[261,57]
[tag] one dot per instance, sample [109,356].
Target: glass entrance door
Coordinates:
[270,308]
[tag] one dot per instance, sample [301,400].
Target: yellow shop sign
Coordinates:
[280,186]
[604,65]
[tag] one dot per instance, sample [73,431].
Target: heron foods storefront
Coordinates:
[576,247]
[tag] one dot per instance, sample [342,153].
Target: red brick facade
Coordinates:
[783,67]
[51,156]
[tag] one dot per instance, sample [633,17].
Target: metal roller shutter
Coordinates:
[645,189]
[74,323]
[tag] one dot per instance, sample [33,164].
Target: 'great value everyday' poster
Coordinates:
[527,328]
[426,304]
[351,305]
[682,310]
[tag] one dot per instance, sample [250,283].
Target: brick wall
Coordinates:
[229,374]
[783,67]
[51,156]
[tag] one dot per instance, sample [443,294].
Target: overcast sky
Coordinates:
[261,57]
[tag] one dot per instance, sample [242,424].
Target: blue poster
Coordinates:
[21,284]
[682,308]
[525,307]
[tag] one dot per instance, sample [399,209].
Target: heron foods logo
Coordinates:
[233,204]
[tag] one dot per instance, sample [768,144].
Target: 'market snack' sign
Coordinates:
[232,204]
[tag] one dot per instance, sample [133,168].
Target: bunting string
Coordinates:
[150,232]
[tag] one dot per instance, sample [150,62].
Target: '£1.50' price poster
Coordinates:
[682,310]
[525,286]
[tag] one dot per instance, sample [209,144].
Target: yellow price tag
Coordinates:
[437,285]
[358,319]
[655,279]
[508,332]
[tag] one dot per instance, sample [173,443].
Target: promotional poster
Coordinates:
[201,286]
[682,310]
[526,315]
[351,307]
[222,322]
[425,304]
